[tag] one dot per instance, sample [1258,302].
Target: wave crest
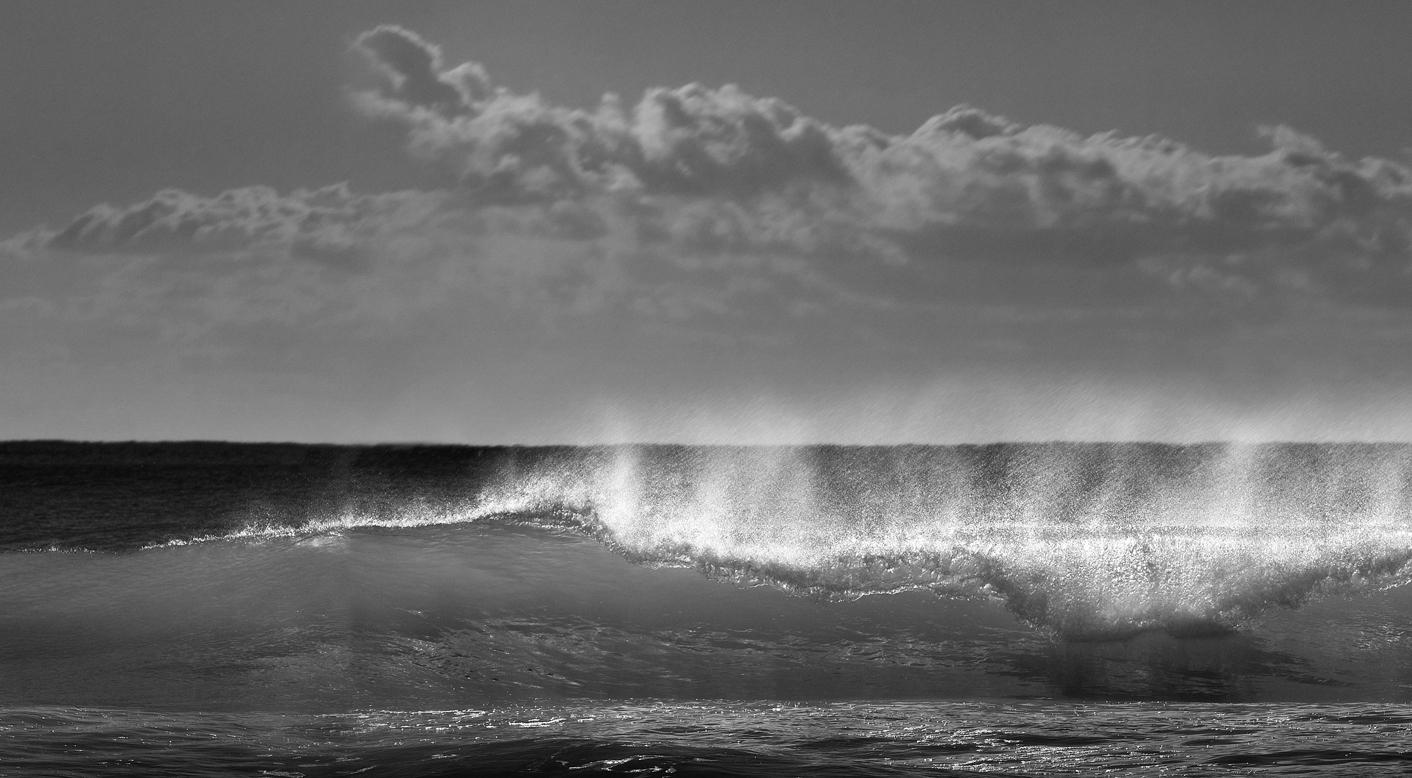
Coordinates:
[1088,541]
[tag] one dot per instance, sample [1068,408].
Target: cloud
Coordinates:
[413,69]
[324,222]
[712,213]
[705,243]
[693,175]
[965,184]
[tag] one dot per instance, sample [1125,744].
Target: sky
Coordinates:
[723,222]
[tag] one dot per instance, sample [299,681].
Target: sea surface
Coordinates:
[191,609]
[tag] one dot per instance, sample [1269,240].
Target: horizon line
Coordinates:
[698,444]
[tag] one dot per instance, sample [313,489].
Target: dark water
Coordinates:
[209,609]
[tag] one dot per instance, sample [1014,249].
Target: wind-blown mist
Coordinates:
[1084,539]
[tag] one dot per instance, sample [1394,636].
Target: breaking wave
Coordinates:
[1088,541]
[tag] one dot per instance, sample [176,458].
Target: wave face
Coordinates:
[225,577]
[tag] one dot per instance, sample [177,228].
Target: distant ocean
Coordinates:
[188,609]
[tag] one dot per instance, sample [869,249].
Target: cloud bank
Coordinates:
[721,170]
[965,178]
[709,214]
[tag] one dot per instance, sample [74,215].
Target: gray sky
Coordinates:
[705,221]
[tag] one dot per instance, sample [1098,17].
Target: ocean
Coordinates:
[191,609]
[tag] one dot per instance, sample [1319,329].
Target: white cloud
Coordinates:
[965,182]
[705,215]
[643,205]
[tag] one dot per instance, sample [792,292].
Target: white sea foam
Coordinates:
[1080,539]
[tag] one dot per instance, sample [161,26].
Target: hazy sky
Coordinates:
[705,221]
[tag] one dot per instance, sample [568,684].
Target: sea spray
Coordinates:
[1087,540]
